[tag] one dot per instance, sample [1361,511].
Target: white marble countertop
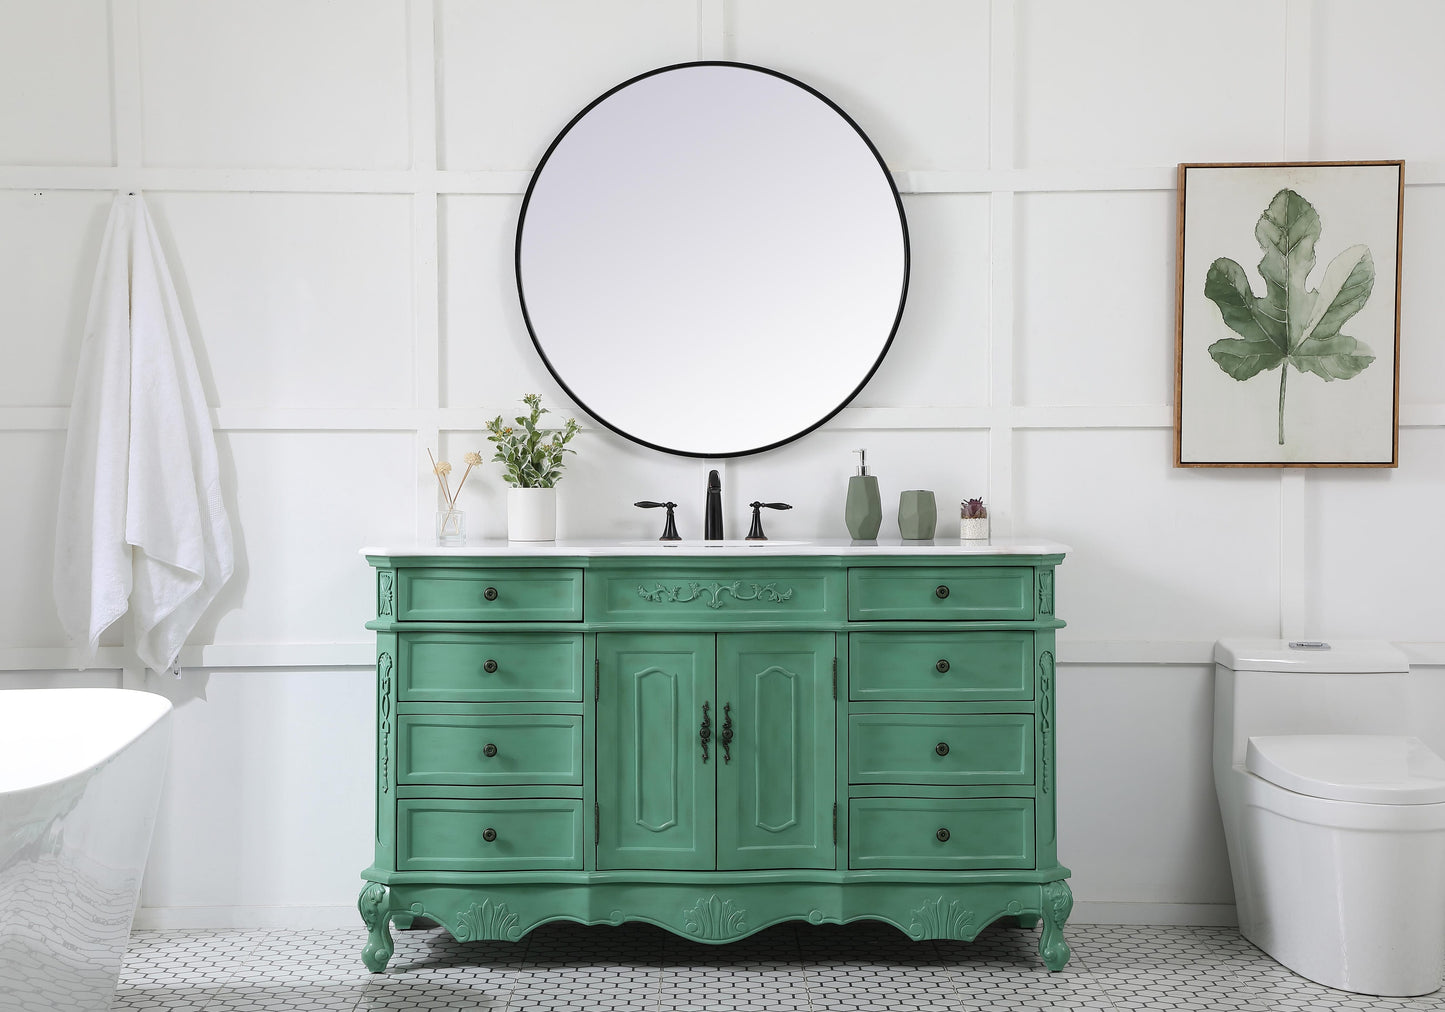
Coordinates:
[603,547]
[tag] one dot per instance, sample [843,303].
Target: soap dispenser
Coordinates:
[863,511]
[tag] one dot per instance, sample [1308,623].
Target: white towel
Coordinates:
[141,523]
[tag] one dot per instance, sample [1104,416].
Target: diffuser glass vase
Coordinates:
[451,527]
[531,514]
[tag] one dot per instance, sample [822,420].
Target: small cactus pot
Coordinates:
[973,528]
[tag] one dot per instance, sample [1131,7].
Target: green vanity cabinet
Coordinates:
[714,740]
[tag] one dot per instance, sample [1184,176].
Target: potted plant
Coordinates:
[531,458]
[973,522]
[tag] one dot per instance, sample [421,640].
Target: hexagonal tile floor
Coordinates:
[857,967]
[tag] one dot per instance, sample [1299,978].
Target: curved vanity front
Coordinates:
[716,739]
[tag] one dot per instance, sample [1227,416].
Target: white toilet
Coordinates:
[1334,814]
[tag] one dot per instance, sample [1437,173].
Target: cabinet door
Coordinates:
[776,793]
[655,794]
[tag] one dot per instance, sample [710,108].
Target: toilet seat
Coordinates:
[1373,769]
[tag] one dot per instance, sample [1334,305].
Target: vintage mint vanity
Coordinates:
[712,260]
[716,739]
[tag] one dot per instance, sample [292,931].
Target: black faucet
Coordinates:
[712,526]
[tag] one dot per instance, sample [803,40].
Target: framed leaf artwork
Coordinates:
[1288,315]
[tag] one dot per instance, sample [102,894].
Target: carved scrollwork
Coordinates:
[935,920]
[385,594]
[487,920]
[1058,903]
[383,703]
[714,918]
[685,593]
[1046,711]
[1046,591]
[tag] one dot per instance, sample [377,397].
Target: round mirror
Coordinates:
[712,259]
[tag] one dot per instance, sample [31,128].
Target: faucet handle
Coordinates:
[756,532]
[669,529]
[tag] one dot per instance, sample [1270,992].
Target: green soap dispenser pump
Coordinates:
[863,511]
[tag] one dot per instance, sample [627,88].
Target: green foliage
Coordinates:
[1292,323]
[531,456]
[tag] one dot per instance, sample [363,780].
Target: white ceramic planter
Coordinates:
[973,528]
[531,514]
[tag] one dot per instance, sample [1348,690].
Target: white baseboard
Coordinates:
[1194,914]
[242,918]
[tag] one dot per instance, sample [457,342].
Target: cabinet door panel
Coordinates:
[775,795]
[655,794]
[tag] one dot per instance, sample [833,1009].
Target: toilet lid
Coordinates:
[1376,769]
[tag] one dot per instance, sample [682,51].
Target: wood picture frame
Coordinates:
[1322,242]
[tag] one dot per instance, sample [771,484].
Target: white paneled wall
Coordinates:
[337,186]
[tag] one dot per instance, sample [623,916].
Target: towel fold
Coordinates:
[141,523]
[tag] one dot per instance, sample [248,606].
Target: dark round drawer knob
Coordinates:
[941,592]
[942,667]
[489,750]
[942,835]
[941,748]
[490,667]
[490,835]
[490,593]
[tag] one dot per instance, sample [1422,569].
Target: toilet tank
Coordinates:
[1283,687]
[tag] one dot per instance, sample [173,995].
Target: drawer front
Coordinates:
[489,750]
[489,667]
[945,833]
[444,834]
[941,748]
[659,597]
[915,593]
[495,595]
[941,666]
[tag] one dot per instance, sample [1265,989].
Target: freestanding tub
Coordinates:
[80,782]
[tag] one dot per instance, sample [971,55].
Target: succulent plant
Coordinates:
[973,509]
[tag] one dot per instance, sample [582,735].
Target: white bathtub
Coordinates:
[80,781]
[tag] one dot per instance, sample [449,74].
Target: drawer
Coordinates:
[446,834]
[660,596]
[944,666]
[485,667]
[489,595]
[954,593]
[489,750]
[941,748]
[944,833]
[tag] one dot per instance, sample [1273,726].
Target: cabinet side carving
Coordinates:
[1046,591]
[385,594]
[714,918]
[487,920]
[383,703]
[1046,710]
[684,594]
[935,920]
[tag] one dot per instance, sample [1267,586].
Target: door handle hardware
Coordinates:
[489,750]
[940,592]
[490,667]
[942,835]
[941,748]
[941,667]
[726,738]
[490,593]
[704,730]
[489,834]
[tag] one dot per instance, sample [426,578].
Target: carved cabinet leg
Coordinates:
[1058,901]
[373,906]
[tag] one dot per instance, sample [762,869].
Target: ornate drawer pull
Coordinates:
[704,730]
[490,667]
[942,667]
[941,592]
[490,593]
[942,835]
[489,750]
[726,738]
[490,835]
[941,748]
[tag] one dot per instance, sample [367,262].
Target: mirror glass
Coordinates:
[712,259]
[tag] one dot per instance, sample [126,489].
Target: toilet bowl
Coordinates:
[1333,813]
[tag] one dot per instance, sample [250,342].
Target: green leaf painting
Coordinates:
[1292,324]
